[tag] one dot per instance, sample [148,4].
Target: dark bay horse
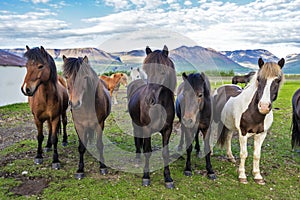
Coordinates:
[90,105]
[243,79]
[296,119]
[248,112]
[194,110]
[48,99]
[151,108]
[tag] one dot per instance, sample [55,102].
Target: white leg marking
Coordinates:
[258,140]
[243,155]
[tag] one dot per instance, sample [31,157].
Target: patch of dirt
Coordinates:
[30,187]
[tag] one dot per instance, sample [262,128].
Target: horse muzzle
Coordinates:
[264,108]
[27,91]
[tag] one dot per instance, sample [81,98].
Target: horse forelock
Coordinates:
[270,70]
[35,55]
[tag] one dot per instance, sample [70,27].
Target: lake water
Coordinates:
[11,79]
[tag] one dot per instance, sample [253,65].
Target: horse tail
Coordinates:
[222,135]
[295,131]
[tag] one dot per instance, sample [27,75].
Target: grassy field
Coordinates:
[21,179]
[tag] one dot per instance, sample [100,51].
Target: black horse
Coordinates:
[243,79]
[151,108]
[296,119]
[194,110]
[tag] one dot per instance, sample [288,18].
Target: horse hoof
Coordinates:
[232,160]
[169,185]
[79,176]
[212,176]
[38,161]
[199,154]
[146,182]
[64,144]
[260,181]
[103,171]
[47,149]
[179,148]
[187,173]
[55,165]
[243,180]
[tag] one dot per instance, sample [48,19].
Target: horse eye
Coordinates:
[200,95]
[40,66]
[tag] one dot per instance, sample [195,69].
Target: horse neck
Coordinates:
[47,90]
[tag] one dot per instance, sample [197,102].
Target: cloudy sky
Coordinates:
[116,25]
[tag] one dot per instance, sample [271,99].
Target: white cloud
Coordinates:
[40,1]
[188,3]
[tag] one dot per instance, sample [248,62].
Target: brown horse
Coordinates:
[90,105]
[243,79]
[194,110]
[48,99]
[296,120]
[151,108]
[113,83]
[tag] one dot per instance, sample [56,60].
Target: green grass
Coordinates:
[279,165]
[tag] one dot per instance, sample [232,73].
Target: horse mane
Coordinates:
[270,69]
[193,79]
[36,55]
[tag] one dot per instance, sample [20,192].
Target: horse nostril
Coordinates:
[28,91]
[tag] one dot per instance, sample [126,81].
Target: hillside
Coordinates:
[9,59]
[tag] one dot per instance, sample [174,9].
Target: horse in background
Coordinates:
[151,108]
[243,79]
[90,106]
[113,83]
[194,110]
[137,73]
[248,112]
[296,119]
[48,100]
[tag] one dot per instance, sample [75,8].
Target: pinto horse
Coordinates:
[243,79]
[194,110]
[137,73]
[296,119]
[248,112]
[48,100]
[113,83]
[151,108]
[90,105]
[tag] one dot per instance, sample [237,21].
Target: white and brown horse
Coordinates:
[248,112]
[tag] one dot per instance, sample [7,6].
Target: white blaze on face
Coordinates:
[264,105]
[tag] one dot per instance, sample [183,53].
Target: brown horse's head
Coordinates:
[40,69]
[81,80]
[160,68]
[124,79]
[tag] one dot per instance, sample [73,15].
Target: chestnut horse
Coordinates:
[248,112]
[90,106]
[151,108]
[113,83]
[194,110]
[48,99]
[296,120]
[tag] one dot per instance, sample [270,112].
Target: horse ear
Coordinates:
[65,59]
[27,48]
[43,51]
[260,62]
[85,59]
[165,51]
[148,50]
[184,76]
[281,62]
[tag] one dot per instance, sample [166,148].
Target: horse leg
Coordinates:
[179,148]
[147,153]
[189,147]
[243,156]
[49,143]
[64,122]
[54,139]
[81,149]
[40,137]
[197,145]
[115,97]
[138,141]
[258,140]
[230,157]
[103,168]
[210,172]
[165,153]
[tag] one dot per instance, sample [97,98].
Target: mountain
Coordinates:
[292,64]
[9,59]
[203,59]
[131,57]
[249,58]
